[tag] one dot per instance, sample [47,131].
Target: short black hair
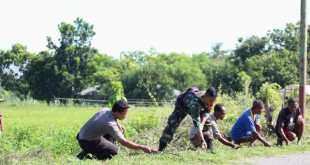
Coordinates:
[211,92]
[291,101]
[258,104]
[120,106]
[219,108]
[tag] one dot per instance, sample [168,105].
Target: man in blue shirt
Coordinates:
[245,129]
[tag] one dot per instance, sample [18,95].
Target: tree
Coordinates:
[217,50]
[225,77]
[285,39]
[183,70]
[248,48]
[43,78]
[269,93]
[118,93]
[154,80]
[12,66]
[106,77]
[274,67]
[246,80]
[72,57]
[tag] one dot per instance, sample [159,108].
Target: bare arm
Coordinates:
[260,138]
[132,145]
[226,142]
[200,133]
[280,130]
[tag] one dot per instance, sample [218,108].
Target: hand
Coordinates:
[204,145]
[149,150]
[154,150]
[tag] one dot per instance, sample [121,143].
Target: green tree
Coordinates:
[248,48]
[106,77]
[183,70]
[13,64]
[269,93]
[217,50]
[246,80]
[275,67]
[43,78]
[154,80]
[72,57]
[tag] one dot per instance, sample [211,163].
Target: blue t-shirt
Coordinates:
[244,126]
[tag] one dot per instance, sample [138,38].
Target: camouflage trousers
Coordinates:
[173,123]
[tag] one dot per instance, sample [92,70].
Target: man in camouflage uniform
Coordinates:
[190,103]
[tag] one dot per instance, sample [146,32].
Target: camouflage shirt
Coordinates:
[193,105]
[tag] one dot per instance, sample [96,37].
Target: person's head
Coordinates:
[292,105]
[120,109]
[219,111]
[209,97]
[257,107]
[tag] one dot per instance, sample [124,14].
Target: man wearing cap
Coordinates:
[246,128]
[290,123]
[100,132]
[211,130]
[189,102]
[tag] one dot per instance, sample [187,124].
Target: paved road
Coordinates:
[292,159]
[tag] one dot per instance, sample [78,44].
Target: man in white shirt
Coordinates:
[210,128]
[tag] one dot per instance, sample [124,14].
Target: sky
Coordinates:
[185,26]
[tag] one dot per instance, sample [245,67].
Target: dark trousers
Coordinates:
[173,123]
[102,149]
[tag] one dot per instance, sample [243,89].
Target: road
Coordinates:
[291,159]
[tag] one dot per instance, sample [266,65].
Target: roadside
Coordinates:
[291,159]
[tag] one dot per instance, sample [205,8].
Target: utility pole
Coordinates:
[303,58]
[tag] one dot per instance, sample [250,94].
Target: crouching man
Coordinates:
[100,132]
[210,129]
[246,129]
[290,123]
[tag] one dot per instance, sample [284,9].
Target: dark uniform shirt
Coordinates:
[287,119]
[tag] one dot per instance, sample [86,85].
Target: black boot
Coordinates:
[162,146]
[83,155]
[210,144]
[279,142]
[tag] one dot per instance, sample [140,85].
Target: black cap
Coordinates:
[211,92]
[120,105]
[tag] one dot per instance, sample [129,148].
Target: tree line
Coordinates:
[71,65]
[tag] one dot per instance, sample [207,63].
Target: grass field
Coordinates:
[42,134]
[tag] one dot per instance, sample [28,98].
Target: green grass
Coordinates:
[42,134]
